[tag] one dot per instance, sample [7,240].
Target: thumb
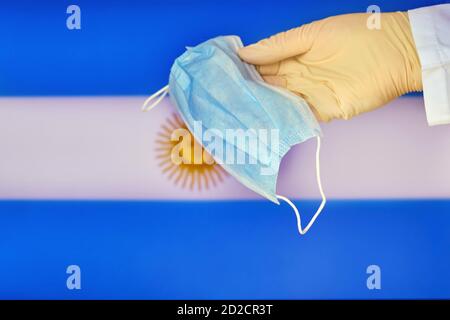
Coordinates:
[279,47]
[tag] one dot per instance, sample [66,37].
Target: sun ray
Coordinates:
[165,149]
[205,177]
[192,176]
[186,177]
[168,167]
[179,176]
[211,177]
[172,123]
[166,130]
[199,180]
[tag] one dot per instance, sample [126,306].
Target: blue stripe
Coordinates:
[127,47]
[247,249]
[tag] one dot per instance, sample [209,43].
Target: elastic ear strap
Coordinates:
[324,200]
[159,95]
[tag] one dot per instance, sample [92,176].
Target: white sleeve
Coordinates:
[431,31]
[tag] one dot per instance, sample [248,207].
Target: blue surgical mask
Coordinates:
[246,124]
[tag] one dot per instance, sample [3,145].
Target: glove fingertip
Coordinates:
[256,54]
[247,54]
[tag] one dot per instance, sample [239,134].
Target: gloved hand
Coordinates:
[339,65]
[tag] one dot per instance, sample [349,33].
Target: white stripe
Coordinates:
[103,148]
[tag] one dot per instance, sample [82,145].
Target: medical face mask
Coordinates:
[245,124]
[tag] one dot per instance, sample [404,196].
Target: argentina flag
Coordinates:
[92,205]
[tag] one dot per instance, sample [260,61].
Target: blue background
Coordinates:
[127,47]
[193,249]
[239,249]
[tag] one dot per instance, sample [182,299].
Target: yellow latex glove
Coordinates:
[339,65]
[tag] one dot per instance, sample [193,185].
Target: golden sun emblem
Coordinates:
[183,159]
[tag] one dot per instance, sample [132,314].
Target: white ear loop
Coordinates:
[324,200]
[159,95]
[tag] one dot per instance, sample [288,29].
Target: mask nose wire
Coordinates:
[324,200]
[158,95]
